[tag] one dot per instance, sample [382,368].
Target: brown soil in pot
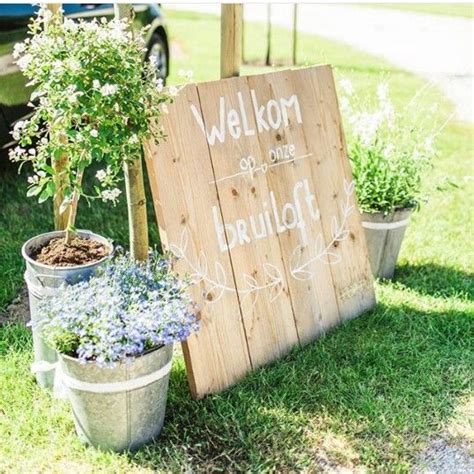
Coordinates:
[79,252]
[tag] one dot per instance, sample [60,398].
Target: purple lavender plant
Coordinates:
[125,309]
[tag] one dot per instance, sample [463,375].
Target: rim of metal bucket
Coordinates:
[394,212]
[90,362]
[25,255]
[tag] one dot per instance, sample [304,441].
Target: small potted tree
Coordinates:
[389,152]
[94,100]
[114,334]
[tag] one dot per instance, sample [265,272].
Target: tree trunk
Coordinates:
[72,208]
[135,188]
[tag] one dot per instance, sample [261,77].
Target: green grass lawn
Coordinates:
[371,393]
[465,10]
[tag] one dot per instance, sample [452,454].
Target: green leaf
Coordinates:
[43,196]
[34,191]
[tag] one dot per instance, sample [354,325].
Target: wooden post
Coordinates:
[243,35]
[59,164]
[269,34]
[295,32]
[231,39]
[135,188]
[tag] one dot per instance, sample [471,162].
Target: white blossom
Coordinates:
[108,89]
[18,128]
[101,175]
[94,133]
[45,13]
[133,139]
[70,24]
[96,84]
[18,49]
[110,195]
[16,154]
[159,84]
[74,64]
[24,61]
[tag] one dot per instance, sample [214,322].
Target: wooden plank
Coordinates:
[180,172]
[258,264]
[291,157]
[352,275]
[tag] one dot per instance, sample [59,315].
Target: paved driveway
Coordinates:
[436,47]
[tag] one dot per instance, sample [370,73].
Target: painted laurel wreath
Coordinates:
[217,285]
[216,282]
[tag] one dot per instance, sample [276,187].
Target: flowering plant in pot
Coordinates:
[114,334]
[95,100]
[389,151]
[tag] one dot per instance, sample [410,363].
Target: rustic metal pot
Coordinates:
[121,408]
[43,281]
[384,235]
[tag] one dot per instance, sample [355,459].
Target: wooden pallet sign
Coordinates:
[254,196]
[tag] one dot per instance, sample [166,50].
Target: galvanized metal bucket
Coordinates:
[384,235]
[121,408]
[43,281]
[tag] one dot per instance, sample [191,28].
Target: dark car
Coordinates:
[14,19]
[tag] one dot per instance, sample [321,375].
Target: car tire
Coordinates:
[158,48]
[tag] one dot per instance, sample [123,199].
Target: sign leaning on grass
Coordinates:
[254,195]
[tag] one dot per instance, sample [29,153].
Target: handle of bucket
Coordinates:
[37,290]
[59,390]
[40,276]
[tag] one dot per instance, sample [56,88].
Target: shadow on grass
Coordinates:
[382,383]
[435,280]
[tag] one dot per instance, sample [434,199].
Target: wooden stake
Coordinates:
[243,35]
[135,188]
[295,32]
[269,35]
[231,39]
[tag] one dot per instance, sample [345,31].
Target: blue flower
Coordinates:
[127,308]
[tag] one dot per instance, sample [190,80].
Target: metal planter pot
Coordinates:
[121,408]
[384,235]
[43,281]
